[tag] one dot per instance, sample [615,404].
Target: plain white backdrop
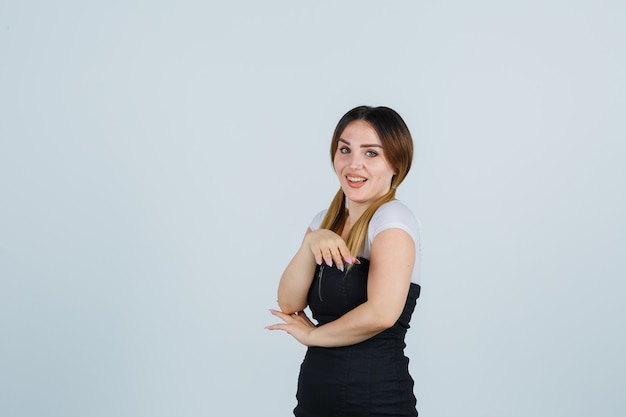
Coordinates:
[160,162]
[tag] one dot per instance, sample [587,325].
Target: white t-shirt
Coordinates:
[392,215]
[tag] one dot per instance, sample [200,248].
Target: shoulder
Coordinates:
[394,214]
[395,211]
[317,220]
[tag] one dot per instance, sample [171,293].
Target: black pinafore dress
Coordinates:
[368,379]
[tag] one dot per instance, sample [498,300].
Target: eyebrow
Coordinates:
[374,145]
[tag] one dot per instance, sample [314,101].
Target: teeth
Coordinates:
[356,179]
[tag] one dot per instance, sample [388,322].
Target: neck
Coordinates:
[354,213]
[355,210]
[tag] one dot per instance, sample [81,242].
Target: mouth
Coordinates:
[355,181]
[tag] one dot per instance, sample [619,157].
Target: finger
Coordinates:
[327,256]
[315,247]
[345,254]
[299,315]
[277,326]
[279,314]
[305,322]
[317,254]
[305,319]
[350,259]
[336,253]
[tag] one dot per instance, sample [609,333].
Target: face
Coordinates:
[360,164]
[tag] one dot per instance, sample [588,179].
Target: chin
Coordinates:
[357,199]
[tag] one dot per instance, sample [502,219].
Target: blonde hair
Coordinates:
[397,145]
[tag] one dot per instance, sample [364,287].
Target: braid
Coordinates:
[336,215]
[358,233]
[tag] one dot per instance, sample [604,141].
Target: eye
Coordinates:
[371,154]
[344,149]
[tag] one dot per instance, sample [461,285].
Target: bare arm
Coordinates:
[391,266]
[296,280]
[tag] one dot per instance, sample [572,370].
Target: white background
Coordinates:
[160,162]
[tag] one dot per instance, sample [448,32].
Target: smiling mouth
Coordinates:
[356,179]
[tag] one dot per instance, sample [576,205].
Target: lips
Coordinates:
[355,181]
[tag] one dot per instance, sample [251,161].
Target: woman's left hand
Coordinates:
[297,324]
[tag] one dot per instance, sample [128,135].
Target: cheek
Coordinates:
[387,173]
[337,164]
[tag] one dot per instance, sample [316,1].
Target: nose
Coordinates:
[357,161]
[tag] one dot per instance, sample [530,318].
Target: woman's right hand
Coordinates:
[327,246]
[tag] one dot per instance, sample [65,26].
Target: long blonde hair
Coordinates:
[397,145]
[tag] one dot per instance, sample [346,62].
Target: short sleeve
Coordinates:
[396,215]
[317,220]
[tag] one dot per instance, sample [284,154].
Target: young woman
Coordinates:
[358,271]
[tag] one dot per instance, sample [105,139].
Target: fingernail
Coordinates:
[340,267]
[267,328]
[350,260]
[356,261]
[318,261]
[329,263]
[271,310]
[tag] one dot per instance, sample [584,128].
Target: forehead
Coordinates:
[360,132]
